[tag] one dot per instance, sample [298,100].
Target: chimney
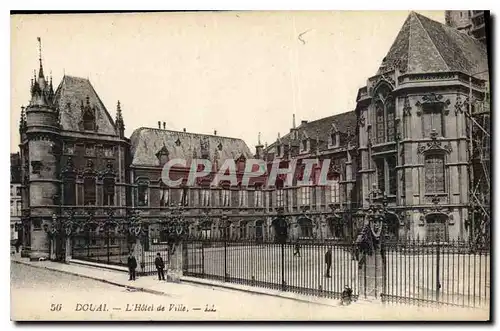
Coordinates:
[303,122]
[159,125]
[164,125]
[215,132]
[184,130]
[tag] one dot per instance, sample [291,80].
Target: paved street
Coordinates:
[34,291]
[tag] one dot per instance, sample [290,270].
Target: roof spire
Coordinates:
[120,125]
[40,73]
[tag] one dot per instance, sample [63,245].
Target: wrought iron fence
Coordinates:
[415,272]
[279,266]
[451,273]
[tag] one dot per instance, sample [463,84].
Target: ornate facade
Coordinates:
[406,143]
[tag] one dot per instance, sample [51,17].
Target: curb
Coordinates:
[141,289]
[251,291]
[183,280]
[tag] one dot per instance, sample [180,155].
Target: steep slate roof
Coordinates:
[74,90]
[424,45]
[323,126]
[147,142]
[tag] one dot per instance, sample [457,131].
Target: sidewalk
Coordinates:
[361,309]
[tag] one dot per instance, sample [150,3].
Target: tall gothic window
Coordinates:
[385,116]
[279,197]
[89,191]
[333,192]
[185,196]
[380,174]
[433,119]
[280,194]
[242,198]
[391,119]
[434,174]
[305,195]
[225,198]
[391,169]
[379,110]
[387,174]
[69,192]
[205,197]
[258,197]
[142,194]
[109,192]
[165,196]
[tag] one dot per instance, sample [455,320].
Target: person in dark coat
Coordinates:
[296,250]
[346,295]
[328,261]
[132,265]
[160,265]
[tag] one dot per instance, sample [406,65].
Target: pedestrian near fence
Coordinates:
[132,265]
[160,265]
[328,261]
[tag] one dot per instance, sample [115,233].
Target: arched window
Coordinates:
[109,192]
[306,228]
[434,173]
[89,191]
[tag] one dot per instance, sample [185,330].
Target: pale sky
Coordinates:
[239,73]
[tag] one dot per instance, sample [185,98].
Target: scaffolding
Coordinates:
[479,141]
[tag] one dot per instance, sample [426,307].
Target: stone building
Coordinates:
[408,141]
[316,211]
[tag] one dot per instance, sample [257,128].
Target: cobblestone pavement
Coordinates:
[34,291]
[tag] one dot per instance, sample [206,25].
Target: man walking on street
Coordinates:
[160,265]
[132,265]
[328,261]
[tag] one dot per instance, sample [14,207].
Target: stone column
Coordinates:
[68,249]
[138,253]
[174,272]
[370,276]
[52,243]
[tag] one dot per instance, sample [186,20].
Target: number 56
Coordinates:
[55,307]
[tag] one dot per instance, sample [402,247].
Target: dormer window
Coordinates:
[162,155]
[88,121]
[304,145]
[278,150]
[334,138]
